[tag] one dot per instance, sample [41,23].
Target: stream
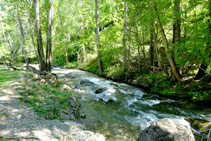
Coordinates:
[122,111]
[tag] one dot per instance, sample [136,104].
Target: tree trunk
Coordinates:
[39,37]
[84,53]
[5,38]
[129,43]
[124,38]
[177,23]
[143,51]
[137,38]
[156,48]
[165,42]
[23,42]
[83,50]
[66,56]
[100,64]
[49,41]
[151,48]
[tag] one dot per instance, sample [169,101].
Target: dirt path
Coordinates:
[17,121]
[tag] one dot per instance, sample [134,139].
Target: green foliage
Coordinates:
[92,66]
[72,65]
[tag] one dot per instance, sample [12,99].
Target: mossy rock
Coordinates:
[199,124]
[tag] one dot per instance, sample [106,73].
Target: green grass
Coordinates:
[7,76]
[38,96]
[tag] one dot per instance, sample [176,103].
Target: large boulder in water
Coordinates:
[166,130]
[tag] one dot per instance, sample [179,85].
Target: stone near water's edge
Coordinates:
[166,130]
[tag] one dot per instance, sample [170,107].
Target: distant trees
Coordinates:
[168,36]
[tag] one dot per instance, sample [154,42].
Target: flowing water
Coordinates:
[122,111]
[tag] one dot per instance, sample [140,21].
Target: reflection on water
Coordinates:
[122,111]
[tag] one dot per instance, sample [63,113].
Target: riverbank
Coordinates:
[26,114]
[197,91]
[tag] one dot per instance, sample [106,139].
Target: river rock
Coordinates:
[36,77]
[12,69]
[199,124]
[141,81]
[30,68]
[74,102]
[109,101]
[48,107]
[166,130]
[51,79]
[100,90]
[86,82]
[70,75]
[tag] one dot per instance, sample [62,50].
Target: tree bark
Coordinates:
[124,38]
[165,42]
[177,23]
[100,64]
[129,44]
[151,48]
[49,41]
[23,42]
[66,56]
[155,40]
[137,38]
[83,49]
[39,37]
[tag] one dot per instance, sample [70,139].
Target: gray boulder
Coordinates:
[166,130]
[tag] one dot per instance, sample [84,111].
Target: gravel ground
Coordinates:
[17,121]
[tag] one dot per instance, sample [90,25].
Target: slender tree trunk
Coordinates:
[66,56]
[129,43]
[5,38]
[151,48]
[23,42]
[143,51]
[78,57]
[100,64]
[177,23]
[83,49]
[49,41]
[39,37]
[184,41]
[156,48]
[137,38]
[165,42]
[84,53]
[124,38]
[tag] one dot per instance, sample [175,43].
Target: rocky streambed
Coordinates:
[120,111]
